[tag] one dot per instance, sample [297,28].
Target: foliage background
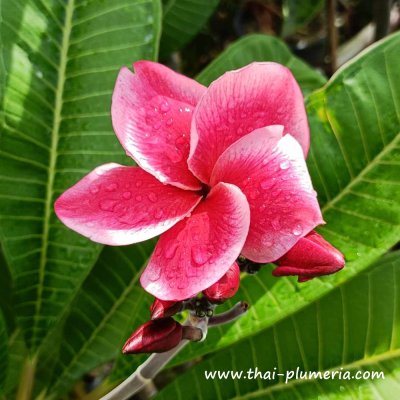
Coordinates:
[67,305]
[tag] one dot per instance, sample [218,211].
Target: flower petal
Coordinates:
[120,205]
[273,175]
[199,250]
[258,95]
[151,114]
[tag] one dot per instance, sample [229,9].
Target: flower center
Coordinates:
[205,189]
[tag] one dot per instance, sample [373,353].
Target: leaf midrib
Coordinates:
[69,10]
[352,182]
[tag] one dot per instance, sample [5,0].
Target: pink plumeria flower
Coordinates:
[221,173]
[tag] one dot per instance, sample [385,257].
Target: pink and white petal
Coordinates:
[198,251]
[151,113]
[275,180]
[118,205]
[239,102]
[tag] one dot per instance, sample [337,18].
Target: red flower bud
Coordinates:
[155,336]
[311,256]
[226,287]
[162,308]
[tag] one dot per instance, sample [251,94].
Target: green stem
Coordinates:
[27,378]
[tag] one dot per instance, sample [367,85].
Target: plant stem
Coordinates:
[332,34]
[235,312]
[27,378]
[382,18]
[150,368]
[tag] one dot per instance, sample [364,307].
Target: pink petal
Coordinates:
[199,250]
[120,205]
[258,95]
[151,112]
[273,175]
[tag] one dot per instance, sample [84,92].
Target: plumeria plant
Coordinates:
[199,199]
[221,177]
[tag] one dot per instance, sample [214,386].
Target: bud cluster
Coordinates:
[311,256]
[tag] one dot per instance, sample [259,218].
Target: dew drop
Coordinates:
[169,121]
[297,230]
[159,213]
[200,254]
[284,165]
[164,106]
[138,183]
[276,223]
[39,74]
[94,188]
[187,109]
[152,197]
[157,125]
[127,195]
[111,187]
[107,205]
[171,251]
[138,197]
[175,156]
[265,184]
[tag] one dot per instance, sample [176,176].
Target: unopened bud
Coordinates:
[163,309]
[311,256]
[226,287]
[155,336]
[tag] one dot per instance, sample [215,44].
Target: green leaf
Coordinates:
[357,190]
[182,20]
[6,306]
[355,327]
[17,352]
[298,13]
[257,47]
[59,61]
[107,309]
[3,352]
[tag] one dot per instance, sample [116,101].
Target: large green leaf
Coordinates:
[3,352]
[59,62]
[298,13]
[257,47]
[6,294]
[109,306]
[182,19]
[355,327]
[357,190]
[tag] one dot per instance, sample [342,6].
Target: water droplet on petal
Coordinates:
[297,230]
[171,250]
[94,188]
[107,204]
[159,213]
[284,164]
[200,254]
[169,121]
[152,197]
[138,197]
[138,183]
[127,195]
[276,223]
[157,125]
[265,184]
[164,107]
[111,187]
